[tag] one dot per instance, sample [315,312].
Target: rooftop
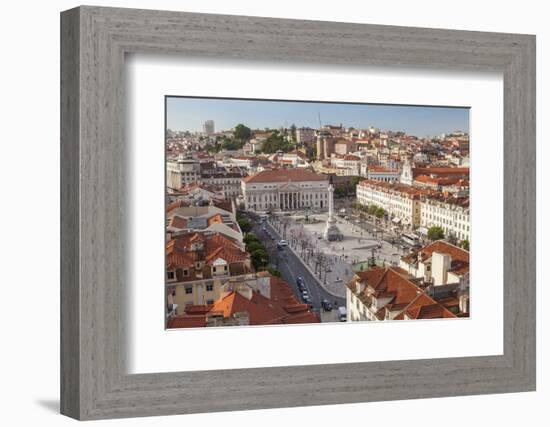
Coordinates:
[460,258]
[284,175]
[398,293]
[281,308]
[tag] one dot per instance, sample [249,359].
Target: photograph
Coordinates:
[284,212]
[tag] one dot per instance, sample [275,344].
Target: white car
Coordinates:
[282,243]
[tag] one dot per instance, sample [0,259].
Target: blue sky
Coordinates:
[191,113]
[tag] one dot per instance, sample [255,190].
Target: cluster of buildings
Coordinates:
[210,279]
[188,169]
[431,282]
[419,182]
[423,197]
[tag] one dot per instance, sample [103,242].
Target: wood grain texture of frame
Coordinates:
[94,41]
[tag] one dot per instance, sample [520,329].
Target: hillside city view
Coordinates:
[305,212]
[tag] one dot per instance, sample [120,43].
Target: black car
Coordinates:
[327,305]
[299,280]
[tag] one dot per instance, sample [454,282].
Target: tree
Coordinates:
[355,180]
[242,133]
[259,258]
[276,142]
[254,246]
[435,233]
[465,244]
[244,223]
[379,213]
[293,132]
[311,152]
[250,237]
[339,191]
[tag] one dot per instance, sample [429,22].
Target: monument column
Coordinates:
[332,232]
[330,201]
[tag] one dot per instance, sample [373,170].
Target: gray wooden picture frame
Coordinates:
[94,41]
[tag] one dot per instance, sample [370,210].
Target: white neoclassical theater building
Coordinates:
[285,190]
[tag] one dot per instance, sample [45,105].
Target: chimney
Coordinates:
[464,303]
[441,264]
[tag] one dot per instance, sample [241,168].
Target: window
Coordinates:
[189,289]
[170,275]
[209,301]
[209,288]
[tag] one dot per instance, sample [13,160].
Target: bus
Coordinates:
[411,239]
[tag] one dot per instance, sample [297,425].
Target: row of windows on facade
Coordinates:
[449,222]
[299,185]
[459,217]
[185,272]
[273,197]
[189,289]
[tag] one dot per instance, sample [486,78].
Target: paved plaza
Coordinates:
[333,263]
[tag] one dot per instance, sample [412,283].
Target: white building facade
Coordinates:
[181,172]
[228,182]
[377,173]
[399,201]
[349,163]
[452,215]
[285,190]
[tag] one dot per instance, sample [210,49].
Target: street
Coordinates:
[291,267]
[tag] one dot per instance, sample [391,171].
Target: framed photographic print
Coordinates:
[292,213]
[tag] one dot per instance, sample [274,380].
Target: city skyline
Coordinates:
[190,113]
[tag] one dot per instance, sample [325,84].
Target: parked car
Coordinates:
[342,314]
[299,280]
[327,305]
[306,299]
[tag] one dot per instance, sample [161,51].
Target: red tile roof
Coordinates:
[186,321]
[394,283]
[284,175]
[406,190]
[177,222]
[180,251]
[426,179]
[425,307]
[379,169]
[281,308]
[226,204]
[440,171]
[176,205]
[460,258]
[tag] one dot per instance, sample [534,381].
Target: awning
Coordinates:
[396,220]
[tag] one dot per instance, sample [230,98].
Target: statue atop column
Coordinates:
[332,232]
